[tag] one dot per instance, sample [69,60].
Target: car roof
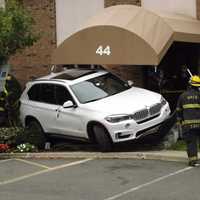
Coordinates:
[72,76]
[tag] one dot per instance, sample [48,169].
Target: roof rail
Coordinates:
[58,80]
[58,68]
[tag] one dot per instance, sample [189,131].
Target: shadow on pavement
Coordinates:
[146,144]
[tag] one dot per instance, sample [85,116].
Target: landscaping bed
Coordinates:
[15,139]
[180,145]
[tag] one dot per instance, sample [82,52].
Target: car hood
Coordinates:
[126,102]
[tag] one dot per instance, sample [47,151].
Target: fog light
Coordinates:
[127,125]
[122,135]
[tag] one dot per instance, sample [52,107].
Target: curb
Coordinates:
[178,156]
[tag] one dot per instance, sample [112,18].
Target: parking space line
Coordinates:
[44,171]
[117,196]
[33,163]
[6,160]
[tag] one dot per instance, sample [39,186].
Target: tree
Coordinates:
[16,33]
[16,29]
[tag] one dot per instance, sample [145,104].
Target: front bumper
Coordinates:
[130,129]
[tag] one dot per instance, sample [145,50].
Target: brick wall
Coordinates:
[35,61]
[198,9]
[198,17]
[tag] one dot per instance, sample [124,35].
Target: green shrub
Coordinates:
[8,135]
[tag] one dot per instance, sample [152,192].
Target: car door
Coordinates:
[68,121]
[43,104]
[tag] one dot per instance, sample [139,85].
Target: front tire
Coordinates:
[102,138]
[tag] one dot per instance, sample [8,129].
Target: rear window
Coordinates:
[49,93]
[42,93]
[33,93]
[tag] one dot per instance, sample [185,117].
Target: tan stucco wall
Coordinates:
[71,15]
[186,7]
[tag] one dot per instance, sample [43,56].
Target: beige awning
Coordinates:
[126,34]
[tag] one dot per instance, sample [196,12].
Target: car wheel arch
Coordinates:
[90,132]
[30,118]
[35,132]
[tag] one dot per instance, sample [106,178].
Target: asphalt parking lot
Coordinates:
[99,179]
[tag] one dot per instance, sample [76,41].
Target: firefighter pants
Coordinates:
[192,138]
[3,118]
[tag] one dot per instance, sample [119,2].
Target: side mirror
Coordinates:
[68,104]
[130,83]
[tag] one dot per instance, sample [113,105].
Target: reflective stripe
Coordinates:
[193,158]
[194,121]
[5,90]
[186,106]
[16,104]
[2,109]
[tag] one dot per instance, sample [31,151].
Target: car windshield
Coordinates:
[98,88]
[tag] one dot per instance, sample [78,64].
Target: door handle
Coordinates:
[58,109]
[58,112]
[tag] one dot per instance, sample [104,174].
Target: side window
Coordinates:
[47,93]
[62,95]
[34,93]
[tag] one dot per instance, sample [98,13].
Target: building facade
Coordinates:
[58,19]
[35,61]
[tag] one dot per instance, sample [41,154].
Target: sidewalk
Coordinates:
[179,156]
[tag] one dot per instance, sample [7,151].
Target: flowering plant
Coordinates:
[4,148]
[27,147]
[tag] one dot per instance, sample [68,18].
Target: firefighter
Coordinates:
[12,100]
[3,114]
[188,118]
[9,104]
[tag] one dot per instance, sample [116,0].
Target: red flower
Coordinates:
[4,147]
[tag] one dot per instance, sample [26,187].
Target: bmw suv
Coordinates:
[92,105]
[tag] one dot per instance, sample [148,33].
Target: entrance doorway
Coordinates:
[170,78]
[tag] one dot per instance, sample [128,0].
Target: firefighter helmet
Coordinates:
[195,81]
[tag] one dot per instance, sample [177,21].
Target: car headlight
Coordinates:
[163,101]
[117,118]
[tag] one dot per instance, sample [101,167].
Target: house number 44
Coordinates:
[103,51]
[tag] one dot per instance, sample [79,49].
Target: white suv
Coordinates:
[91,104]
